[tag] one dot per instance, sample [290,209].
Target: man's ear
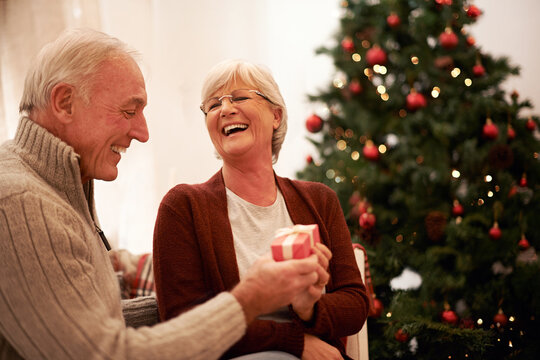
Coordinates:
[62,96]
[278,114]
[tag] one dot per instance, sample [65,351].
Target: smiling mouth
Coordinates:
[118,149]
[234,128]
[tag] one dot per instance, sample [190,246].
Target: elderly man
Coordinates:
[82,106]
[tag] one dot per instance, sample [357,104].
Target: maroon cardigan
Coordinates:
[194,260]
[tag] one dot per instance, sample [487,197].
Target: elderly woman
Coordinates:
[207,235]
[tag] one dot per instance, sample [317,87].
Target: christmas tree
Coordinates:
[439,178]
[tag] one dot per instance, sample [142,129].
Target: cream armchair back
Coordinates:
[357,344]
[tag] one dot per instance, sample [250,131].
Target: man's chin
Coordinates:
[110,176]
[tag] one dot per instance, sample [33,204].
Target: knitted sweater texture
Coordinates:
[194,259]
[59,296]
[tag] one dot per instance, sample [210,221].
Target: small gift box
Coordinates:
[294,242]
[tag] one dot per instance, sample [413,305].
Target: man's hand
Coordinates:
[269,285]
[304,303]
[316,349]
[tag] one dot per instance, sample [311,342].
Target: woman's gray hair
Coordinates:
[258,77]
[73,58]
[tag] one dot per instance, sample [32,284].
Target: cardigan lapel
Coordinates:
[221,233]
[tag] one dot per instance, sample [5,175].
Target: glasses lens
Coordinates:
[211,104]
[239,96]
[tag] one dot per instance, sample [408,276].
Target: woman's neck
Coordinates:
[256,184]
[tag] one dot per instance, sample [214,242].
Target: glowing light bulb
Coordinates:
[338,83]
[330,174]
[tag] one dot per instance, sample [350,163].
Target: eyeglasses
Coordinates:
[236,97]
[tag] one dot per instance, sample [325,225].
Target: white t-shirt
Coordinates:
[254,227]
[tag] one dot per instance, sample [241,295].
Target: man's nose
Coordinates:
[139,129]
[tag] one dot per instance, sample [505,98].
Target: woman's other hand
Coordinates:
[316,349]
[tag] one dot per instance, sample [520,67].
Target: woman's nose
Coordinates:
[227,106]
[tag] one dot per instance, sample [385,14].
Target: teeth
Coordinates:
[118,149]
[227,129]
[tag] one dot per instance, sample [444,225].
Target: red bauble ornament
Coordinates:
[511,133]
[377,309]
[367,221]
[355,87]
[448,39]
[473,12]
[478,70]
[393,20]
[523,181]
[449,317]
[347,44]
[355,198]
[524,243]
[363,206]
[401,336]
[512,191]
[500,319]
[514,95]
[370,151]
[444,2]
[466,323]
[495,232]
[470,41]
[415,101]
[457,209]
[530,124]
[490,130]
[309,159]
[358,209]
[375,56]
[314,123]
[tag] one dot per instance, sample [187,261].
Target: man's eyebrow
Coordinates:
[135,100]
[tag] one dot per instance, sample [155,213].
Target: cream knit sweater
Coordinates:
[59,296]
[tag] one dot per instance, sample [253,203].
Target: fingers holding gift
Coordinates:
[323,254]
[324,276]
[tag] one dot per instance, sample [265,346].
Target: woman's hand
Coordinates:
[303,304]
[315,349]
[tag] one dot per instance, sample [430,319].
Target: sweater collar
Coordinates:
[54,160]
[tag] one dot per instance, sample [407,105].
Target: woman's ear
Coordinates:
[278,114]
[62,95]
